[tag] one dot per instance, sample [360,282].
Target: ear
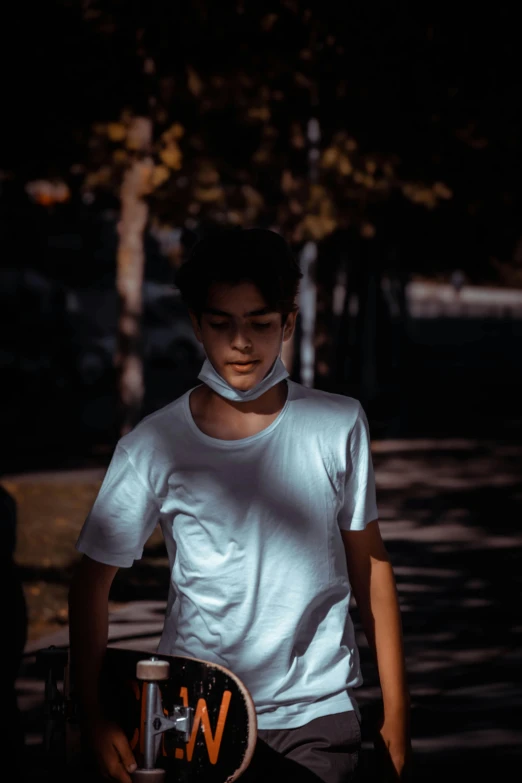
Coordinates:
[195,325]
[290,324]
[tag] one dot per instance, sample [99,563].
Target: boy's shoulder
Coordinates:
[325,404]
[155,428]
[329,416]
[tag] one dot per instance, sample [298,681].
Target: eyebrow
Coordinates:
[261,311]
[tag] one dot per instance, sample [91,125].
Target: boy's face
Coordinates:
[240,335]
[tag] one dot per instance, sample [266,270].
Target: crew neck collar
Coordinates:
[239,442]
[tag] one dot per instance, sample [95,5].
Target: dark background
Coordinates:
[431,89]
[436,87]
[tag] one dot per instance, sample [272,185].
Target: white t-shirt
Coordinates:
[259,579]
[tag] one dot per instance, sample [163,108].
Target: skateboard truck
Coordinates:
[151,671]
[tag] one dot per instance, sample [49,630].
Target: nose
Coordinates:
[240,338]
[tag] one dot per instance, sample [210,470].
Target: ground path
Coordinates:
[450,514]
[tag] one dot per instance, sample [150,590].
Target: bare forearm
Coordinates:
[88,629]
[381,621]
[373,582]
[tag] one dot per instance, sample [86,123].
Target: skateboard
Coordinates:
[186,719]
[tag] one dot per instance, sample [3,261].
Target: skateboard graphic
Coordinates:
[186,719]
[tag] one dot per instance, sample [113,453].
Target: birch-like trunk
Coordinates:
[307,306]
[129,274]
[307,262]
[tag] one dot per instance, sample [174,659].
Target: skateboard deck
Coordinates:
[188,719]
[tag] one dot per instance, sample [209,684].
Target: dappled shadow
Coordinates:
[450,514]
[147,580]
[450,523]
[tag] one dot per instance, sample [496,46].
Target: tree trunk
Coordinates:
[130,272]
[307,306]
[307,263]
[368,326]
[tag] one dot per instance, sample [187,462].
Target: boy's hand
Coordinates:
[110,748]
[393,749]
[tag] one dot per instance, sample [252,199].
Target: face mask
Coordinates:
[217,383]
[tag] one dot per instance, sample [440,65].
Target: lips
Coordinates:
[243,367]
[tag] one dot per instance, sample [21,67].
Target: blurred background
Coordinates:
[383,141]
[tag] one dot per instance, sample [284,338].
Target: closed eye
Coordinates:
[224,324]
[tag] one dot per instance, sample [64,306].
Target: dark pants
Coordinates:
[326,750]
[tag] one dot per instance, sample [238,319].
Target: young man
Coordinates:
[265,493]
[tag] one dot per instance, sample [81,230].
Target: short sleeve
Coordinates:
[360,505]
[122,517]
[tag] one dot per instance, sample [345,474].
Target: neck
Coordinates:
[269,402]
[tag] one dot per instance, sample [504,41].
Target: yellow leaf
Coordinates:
[174,133]
[297,138]
[330,157]
[345,166]
[171,156]
[259,113]
[235,218]
[317,194]
[116,131]
[177,130]
[420,194]
[367,230]
[208,175]
[442,191]
[318,227]
[252,196]
[119,156]
[160,175]
[207,195]
[288,183]
[194,82]
[101,177]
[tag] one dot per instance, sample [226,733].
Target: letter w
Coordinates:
[213,743]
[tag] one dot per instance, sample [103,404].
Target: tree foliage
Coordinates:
[418,114]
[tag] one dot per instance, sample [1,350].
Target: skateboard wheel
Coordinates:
[152,670]
[148,776]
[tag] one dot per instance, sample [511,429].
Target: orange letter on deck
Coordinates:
[213,743]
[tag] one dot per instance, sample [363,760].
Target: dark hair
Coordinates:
[253,255]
